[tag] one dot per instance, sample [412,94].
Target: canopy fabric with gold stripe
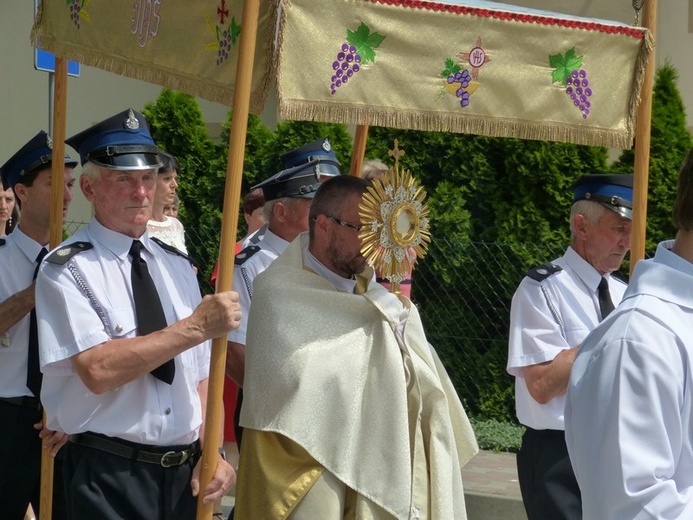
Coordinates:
[472,67]
[181,44]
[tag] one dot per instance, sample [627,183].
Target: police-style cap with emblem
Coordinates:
[304,168]
[121,142]
[318,153]
[615,191]
[35,155]
[300,182]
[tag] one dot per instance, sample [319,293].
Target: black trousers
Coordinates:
[547,482]
[110,487]
[20,464]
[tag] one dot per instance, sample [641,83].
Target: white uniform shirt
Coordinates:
[547,317]
[271,246]
[629,411]
[18,261]
[145,410]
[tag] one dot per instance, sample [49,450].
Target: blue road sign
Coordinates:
[45,61]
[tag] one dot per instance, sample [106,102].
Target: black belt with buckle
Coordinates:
[166,456]
[24,401]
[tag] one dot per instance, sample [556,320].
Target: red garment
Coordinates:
[215,271]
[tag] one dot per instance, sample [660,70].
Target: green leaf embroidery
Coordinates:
[564,65]
[365,42]
[235,31]
[450,68]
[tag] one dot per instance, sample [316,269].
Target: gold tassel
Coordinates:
[436,122]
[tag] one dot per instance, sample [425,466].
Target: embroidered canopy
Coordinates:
[459,66]
[185,45]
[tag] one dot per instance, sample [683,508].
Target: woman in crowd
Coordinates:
[165,228]
[9,213]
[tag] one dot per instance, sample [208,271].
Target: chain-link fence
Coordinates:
[463,291]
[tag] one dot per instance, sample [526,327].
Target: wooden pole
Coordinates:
[229,224]
[56,237]
[642,147]
[359,150]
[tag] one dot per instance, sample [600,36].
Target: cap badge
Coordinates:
[131,123]
[49,142]
[326,145]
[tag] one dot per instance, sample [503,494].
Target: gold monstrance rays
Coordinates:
[395,221]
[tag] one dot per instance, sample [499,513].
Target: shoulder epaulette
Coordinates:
[257,237]
[243,256]
[542,272]
[61,255]
[2,242]
[172,249]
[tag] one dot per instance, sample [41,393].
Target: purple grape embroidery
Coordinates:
[569,73]
[458,81]
[77,11]
[226,38]
[354,53]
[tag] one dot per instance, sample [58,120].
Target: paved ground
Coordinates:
[491,488]
[492,474]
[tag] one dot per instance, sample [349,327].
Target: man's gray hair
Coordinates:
[593,212]
[289,202]
[373,169]
[92,170]
[268,208]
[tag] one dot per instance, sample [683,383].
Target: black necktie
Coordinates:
[605,303]
[33,372]
[148,309]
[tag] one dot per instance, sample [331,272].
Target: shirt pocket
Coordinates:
[576,333]
[121,323]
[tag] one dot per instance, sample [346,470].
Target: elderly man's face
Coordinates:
[607,242]
[122,199]
[344,246]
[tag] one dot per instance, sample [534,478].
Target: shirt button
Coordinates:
[167,411]
[119,329]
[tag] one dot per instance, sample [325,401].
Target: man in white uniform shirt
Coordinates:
[554,308]
[288,196]
[629,409]
[131,397]
[28,173]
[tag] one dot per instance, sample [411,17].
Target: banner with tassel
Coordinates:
[183,45]
[470,67]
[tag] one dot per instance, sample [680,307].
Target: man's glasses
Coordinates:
[342,223]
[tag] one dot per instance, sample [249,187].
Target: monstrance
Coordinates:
[395,231]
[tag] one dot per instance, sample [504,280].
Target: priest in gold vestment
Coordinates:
[349,413]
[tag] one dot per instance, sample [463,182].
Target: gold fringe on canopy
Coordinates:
[453,68]
[183,45]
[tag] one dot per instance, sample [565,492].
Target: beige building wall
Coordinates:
[95,95]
